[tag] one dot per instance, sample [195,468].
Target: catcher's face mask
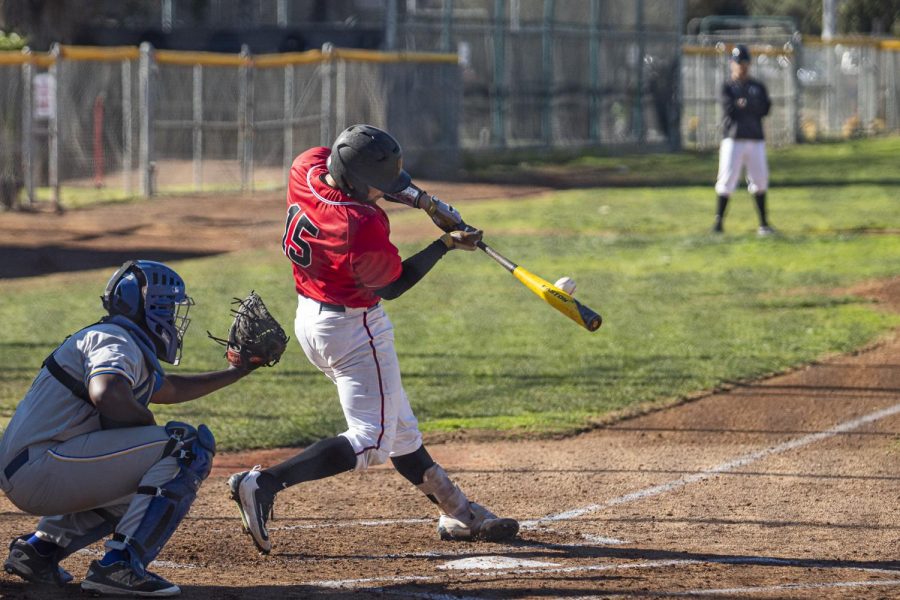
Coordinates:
[179,323]
[152,294]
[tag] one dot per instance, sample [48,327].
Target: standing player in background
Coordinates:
[745,102]
[84,450]
[344,264]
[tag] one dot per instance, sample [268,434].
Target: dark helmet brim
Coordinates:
[401,183]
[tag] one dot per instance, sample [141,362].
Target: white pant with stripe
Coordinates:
[355,349]
[734,155]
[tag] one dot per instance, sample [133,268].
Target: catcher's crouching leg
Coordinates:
[194,449]
[461,519]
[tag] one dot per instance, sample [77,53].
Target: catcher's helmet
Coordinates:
[152,295]
[740,53]
[364,156]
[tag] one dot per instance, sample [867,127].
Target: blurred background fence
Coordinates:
[124,121]
[489,76]
[820,89]
[563,73]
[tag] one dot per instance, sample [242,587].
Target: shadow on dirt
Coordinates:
[16,261]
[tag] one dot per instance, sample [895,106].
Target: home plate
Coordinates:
[494,562]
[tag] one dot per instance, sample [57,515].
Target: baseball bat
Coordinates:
[547,292]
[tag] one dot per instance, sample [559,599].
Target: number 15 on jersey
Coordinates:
[294,246]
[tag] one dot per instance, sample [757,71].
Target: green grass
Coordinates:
[870,160]
[684,311]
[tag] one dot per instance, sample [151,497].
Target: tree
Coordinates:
[807,14]
[869,16]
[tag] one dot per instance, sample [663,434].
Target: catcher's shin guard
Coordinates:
[461,519]
[194,449]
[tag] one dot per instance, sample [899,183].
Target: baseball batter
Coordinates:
[745,102]
[344,265]
[84,451]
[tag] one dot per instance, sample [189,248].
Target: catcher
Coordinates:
[84,451]
[344,264]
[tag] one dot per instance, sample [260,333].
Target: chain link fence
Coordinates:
[115,122]
[850,88]
[563,73]
[820,90]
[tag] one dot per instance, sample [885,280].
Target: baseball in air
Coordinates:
[566,284]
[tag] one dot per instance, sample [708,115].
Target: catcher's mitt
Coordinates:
[255,339]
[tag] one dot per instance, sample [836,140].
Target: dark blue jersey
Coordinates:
[744,103]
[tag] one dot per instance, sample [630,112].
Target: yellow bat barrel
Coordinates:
[559,300]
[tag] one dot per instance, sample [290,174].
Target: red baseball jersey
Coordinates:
[340,248]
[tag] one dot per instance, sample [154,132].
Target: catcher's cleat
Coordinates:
[483,525]
[120,579]
[25,561]
[255,505]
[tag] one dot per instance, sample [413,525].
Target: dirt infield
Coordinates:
[174,227]
[786,487]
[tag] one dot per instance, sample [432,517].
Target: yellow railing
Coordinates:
[214,59]
[881,44]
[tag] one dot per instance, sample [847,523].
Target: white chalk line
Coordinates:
[361,523]
[724,468]
[727,466]
[341,524]
[731,465]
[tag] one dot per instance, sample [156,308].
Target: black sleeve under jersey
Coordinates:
[414,268]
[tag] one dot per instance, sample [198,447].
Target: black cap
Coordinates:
[740,53]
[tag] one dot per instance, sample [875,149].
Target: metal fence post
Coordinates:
[326,73]
[28,125]
[547,72]
[638,127]
[145,114]
[797,102]
[127,127]
[447,26]
[674,124]
[197,126]
[498,106]
[390,25]
[245,120]
[56,71]
[340,95]
[288,128]
[594,72]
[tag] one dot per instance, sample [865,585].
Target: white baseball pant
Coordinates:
[355,349]
[734,155]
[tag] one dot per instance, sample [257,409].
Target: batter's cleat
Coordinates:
[255,505]
[120,579]
[25,561]
[765,231]
[717,228]
[484,525]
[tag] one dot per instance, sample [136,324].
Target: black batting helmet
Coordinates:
[740,53]
[364,156]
